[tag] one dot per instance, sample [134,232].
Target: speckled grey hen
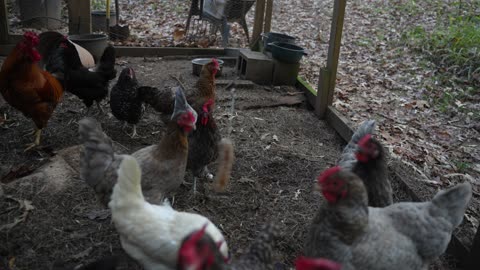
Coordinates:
[163,165]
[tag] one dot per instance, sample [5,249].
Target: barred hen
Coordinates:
[372,168]
[126,99]
[406,235]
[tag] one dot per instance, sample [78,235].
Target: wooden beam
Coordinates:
[258,22]
[79,17]
[160,51]
[4,32]
[268,16]
[326,93]
[323,93]
[339,122]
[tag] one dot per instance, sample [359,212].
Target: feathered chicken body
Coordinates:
[404,235]
[152,234]
[347,158]
[26,87]
[126,101]
[88,84]
[163,165]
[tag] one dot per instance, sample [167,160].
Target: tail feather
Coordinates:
[226,157]
[106,65]
[348,159]
[161,100]
[98,152]
[130,175]
[455,201]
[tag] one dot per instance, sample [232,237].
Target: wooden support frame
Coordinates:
[326,88]
[79,17]
[5,37]
[258,21]
[268,16]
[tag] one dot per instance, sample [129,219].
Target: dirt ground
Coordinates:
[279,152]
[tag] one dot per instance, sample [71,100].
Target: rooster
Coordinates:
[126,99]
[406,235]
[88,84]
[304,263]
[26,87]
[204,142]
[163,165]
[153,234]
[199,252]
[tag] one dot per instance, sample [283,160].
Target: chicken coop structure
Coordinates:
[319,97]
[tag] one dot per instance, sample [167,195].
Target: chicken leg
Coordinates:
[36,142]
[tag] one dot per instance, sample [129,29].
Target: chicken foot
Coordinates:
[36,142]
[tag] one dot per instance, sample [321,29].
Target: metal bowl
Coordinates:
[198,63]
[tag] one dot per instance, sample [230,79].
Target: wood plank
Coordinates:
[245,84]
[268,16]
[323,93]
[258,21]
[79,17]
[339,122]
[5,49]
[161,51]
[334,46]
[4,32]
[309,91]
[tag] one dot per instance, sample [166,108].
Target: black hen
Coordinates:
[126,99]
[88,85]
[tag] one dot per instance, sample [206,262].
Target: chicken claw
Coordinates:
[134,134]
[36,142]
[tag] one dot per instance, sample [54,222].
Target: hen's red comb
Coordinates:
[32,38]
[215,61]
[364,140]
[327,173]
[303,263]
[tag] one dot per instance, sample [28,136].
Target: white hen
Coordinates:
[152,234]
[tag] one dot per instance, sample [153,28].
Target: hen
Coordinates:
[51,48]
[366,157]
[371,167]
[126,99]
[26,87]
[200,252]
[88,84]
[406,235]
[203,143]
[152,234]
[163,165]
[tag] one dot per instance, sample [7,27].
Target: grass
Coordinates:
[453,45]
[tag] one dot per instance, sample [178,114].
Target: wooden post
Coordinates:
[268,16]
[258,22]
[3,22]
[79,17]
[325,94]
